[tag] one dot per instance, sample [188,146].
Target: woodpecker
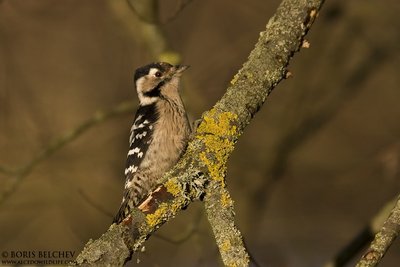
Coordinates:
[159,133]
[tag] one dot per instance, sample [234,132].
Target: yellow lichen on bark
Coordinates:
[226,199]
[235,79]
[217,132]
[173,187]
[226,247]
[156,218]
[163,212]
[219,124]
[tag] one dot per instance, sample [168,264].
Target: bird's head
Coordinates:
[157,79]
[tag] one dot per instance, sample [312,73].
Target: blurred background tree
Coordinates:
[315,165]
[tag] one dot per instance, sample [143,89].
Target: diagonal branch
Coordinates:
[383,239]
[201,171]
[364,237]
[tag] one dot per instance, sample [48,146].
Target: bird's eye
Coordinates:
[158,74]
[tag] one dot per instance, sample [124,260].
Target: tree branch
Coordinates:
[202,169]
[220,213]
[365,236]
[383,239]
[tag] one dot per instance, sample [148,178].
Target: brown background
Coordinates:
[317,162]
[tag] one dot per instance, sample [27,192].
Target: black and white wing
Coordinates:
[139,142]
[140,139]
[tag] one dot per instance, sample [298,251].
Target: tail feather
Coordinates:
[135,190]
[123,211]
[126,207]
[129,201]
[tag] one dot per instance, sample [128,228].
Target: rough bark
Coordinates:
[201,171]
[383,239]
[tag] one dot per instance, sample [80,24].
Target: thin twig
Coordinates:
[7,171]
[182,6]
[145,10]
[50,149]
[141,11]
[95,205]
[314,122]
[192,229]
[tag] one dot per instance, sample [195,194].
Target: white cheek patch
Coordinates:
[145,100]
[153,71]
[143,85]
[140,84]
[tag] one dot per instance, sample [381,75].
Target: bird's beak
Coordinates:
[178,69]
